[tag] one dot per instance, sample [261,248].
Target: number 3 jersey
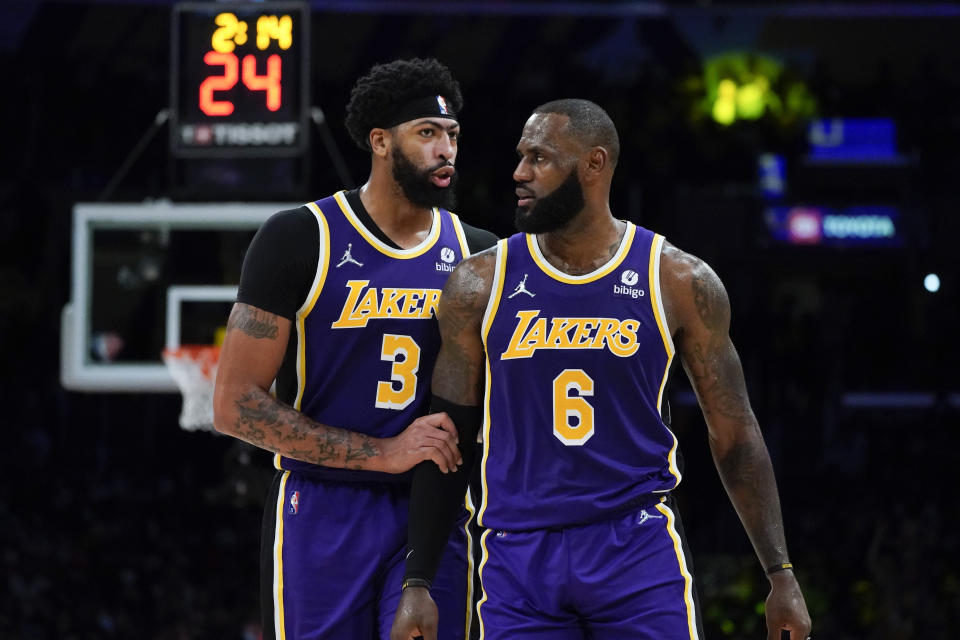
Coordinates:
[576,369]
[367,335]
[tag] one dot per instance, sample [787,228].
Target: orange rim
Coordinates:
[205,355]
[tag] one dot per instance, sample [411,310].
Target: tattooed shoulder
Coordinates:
[469,285]
[710,298]
[688,279]
[254,322]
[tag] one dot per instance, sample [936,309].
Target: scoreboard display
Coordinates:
[239,79]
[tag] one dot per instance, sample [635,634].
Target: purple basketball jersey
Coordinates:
[576,370]
[367,334]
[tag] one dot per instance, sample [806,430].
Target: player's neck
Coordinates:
[402,221]
[586,244]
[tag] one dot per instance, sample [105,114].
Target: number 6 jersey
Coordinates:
[576,368]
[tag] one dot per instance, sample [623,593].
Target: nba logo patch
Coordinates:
[443,105]
[294,503]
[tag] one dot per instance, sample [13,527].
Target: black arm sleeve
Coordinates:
[435,496]
[478,239]
[281,263]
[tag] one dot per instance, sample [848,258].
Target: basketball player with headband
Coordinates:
[337,304]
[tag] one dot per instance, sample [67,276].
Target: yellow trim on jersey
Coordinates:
[672,461]
[656,247]
[496,291]
[323,264]
[681,559]
[278,615]
[461,236]
[483,563]
[382,247]
[472,510]
[656,304]
[556,274]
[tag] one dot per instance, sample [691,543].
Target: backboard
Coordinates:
[149,276]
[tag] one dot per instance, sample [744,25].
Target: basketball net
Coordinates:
[194,369]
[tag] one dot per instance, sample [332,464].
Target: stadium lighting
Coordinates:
[749,86]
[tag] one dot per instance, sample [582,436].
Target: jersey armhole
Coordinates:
[496,290]
[323,262]
[461,237]
[656,251]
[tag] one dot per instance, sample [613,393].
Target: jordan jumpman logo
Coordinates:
[522,288]
[348,258]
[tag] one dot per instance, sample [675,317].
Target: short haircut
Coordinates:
[589,124]
[386,86]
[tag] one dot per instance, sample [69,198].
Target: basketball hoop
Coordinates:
[194,369]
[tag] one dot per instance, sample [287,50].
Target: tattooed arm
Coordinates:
[458,389]
[698,314]
[252,352]
[458,373]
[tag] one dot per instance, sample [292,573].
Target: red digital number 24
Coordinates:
[270,82]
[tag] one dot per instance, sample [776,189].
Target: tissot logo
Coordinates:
[240,135]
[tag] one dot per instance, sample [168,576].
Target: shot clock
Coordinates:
[239,79]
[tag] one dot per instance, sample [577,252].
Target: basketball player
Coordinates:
[558,342]
[336,304]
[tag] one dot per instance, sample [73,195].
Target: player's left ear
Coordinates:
[595,163]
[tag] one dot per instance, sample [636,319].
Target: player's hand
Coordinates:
[416,615]
[786,609]
[429,437]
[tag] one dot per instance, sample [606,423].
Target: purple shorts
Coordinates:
[332,561]
[629,577]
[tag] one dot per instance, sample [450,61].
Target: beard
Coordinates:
[555,210]
[417,187]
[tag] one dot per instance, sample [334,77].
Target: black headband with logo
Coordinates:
[425,107]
